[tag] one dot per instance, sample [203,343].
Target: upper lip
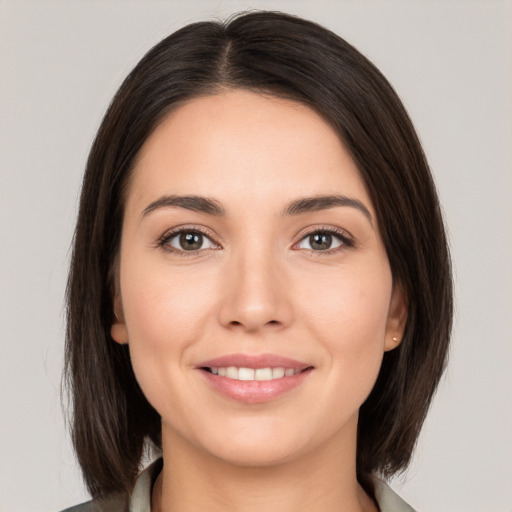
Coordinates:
[253,361]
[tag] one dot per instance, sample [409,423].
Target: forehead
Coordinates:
[239,144]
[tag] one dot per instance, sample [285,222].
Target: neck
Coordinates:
[194,481]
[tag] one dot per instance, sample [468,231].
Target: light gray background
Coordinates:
[61,62]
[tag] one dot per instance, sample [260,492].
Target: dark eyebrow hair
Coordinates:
[313,204]
[212,207]
[195,203]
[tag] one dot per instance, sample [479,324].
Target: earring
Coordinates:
[395,339]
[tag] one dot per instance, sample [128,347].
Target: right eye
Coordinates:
[187,240]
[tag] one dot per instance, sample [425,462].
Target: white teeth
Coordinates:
[263,374]
[245,374]
[232,372]
[277,373]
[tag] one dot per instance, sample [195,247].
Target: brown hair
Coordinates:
[286,56]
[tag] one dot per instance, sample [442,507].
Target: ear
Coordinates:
[397,318]
[118,330]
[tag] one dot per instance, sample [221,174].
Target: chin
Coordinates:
[260,444]
[239,442]
[256,456]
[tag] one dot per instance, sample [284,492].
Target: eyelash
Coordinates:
[167,237]
[340,234]
[346,240]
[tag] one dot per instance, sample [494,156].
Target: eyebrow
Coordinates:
[195,203]
[314,204]
[299,206]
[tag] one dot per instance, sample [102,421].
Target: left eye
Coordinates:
[321,241]
[189,241]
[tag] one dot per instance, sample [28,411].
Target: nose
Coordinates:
[255,294]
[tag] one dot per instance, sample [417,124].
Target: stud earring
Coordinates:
[395,339]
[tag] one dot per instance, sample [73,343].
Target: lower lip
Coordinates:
[255,391]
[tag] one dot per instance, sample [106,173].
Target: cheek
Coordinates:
[163,308]
[350,300]
[349,316]
[165,315]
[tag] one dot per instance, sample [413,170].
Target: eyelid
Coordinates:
[343,235]
[346,238]
[171,233]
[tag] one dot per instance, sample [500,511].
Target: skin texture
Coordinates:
[256,286]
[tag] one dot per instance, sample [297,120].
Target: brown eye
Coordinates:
[189,241]
[322,241]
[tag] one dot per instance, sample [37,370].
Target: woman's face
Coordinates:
[254,289]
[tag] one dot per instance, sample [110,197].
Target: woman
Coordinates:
[260,285]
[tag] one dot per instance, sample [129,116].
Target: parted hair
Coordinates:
[286,56]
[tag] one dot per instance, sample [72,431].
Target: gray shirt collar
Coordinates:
[140,500]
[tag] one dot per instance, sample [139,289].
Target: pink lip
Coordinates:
[253,392]
[254,361]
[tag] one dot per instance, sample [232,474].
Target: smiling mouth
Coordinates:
[251,379]
[253,374]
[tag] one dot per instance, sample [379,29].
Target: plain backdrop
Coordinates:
[450,61]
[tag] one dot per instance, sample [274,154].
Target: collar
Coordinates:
[140,500]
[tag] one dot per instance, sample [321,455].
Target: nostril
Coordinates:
[239,326]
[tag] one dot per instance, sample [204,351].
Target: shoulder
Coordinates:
[112,503]
[388,500]
[138,501]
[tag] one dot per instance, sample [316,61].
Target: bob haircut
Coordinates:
[285,56]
